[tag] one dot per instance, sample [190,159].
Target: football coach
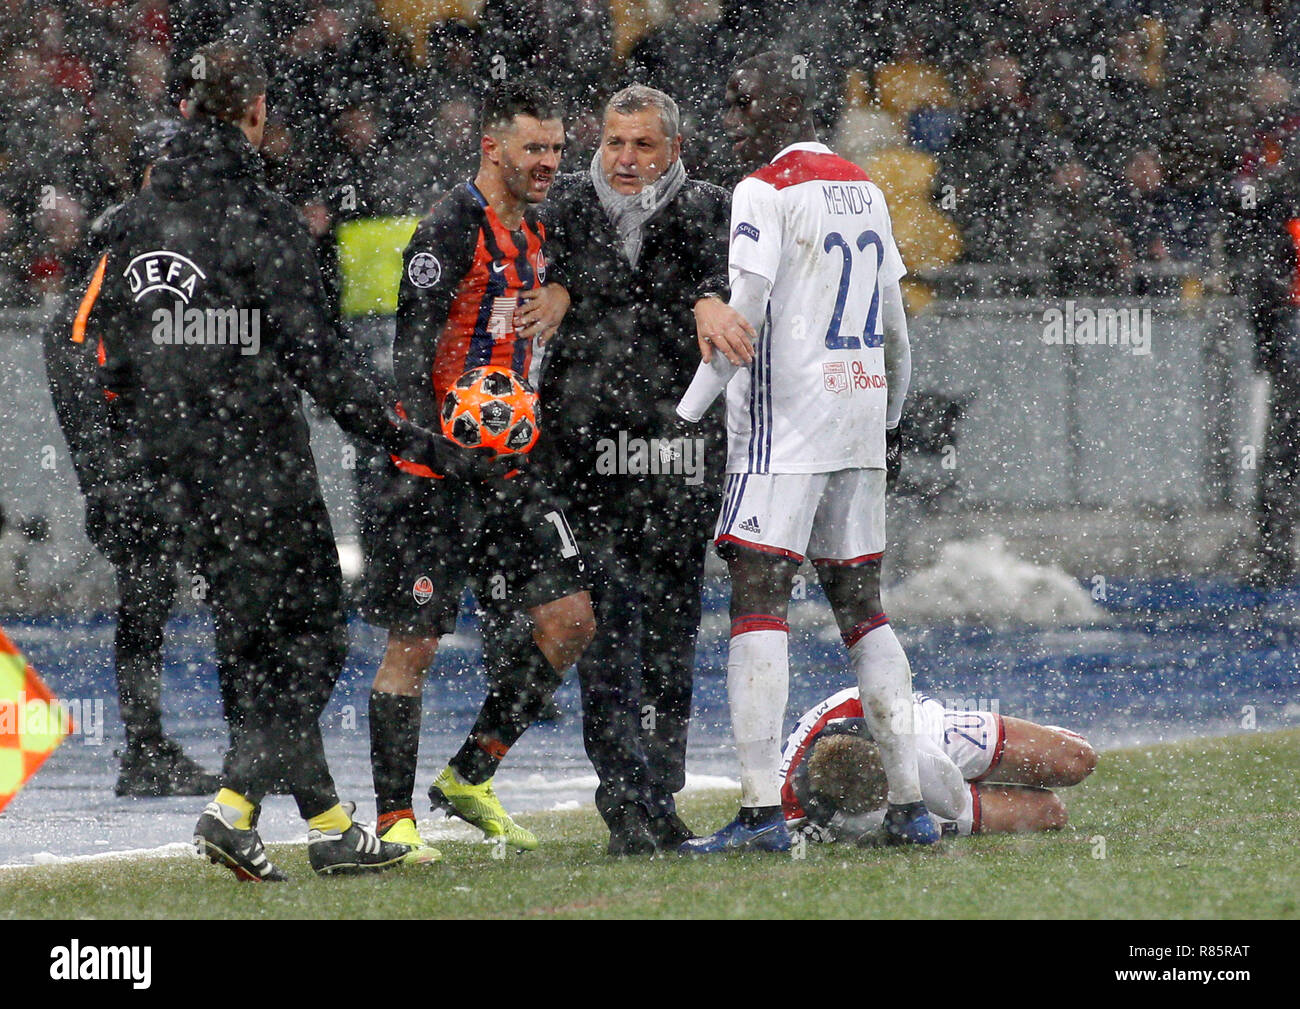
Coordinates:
[212,314]
[644,251]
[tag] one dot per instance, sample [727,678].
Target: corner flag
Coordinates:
[32,721]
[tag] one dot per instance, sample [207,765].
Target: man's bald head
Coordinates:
[783,76]
[768,99]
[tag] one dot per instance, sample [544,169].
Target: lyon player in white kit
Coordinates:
[979,772]
[814,268]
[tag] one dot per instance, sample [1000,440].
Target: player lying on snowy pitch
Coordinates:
[980,773]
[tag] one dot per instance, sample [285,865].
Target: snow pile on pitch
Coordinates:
[981,582]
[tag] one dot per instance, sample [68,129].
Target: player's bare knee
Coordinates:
[760,583]
[1075,762]
[405,661]
[421,652]
[1051,813]
[854,593]
[564,629]
[1029,810]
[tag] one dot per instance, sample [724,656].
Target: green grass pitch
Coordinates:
[1198,829]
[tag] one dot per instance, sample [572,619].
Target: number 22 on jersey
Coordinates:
[834,339]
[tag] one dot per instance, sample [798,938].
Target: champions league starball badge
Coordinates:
[424,270]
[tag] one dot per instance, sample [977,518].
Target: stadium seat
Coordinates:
[632,20]
[411,19]
[927,238]
[864,127]
[1154,33]
[863,132]
[930,129]
[903,173]
[902,88]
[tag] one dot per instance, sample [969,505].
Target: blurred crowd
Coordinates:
[1084,138]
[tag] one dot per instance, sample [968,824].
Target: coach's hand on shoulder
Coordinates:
[540,312]
[719,326]
[893,454]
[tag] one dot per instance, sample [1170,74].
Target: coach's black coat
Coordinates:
[225,242]
[627,350]
[622,359]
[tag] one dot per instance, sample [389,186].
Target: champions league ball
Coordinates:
[493,408]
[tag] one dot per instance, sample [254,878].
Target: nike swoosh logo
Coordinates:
[499,269]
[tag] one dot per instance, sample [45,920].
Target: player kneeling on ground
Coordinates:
[980,773]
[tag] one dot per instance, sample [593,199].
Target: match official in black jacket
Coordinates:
[212,313]
[124,526]
[644,251]
[1270,243]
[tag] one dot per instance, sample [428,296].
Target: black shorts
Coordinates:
[509,541]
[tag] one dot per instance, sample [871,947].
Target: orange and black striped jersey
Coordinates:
[462,275]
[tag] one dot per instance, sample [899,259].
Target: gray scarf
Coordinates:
[629,213]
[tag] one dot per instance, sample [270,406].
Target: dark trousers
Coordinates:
[636,676]
[281,640]
[146,585]
[143,549]
[1276,500]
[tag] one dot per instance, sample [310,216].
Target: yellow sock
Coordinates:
[233,800]
[333,820]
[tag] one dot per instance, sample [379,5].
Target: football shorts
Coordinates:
[831,518]
[509,541]
[971,739]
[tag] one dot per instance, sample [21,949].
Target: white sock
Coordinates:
[758,684]
[968,822]
[885,685]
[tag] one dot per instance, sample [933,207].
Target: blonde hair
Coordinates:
[847,770]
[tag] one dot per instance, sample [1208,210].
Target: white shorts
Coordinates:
[973,740]
[835,518]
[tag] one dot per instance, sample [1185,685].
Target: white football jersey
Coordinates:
[971,741]
[942,787]
[813,400]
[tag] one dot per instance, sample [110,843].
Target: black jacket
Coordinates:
[219,416]
[627,350]
[72,372]
[121,518]
[1272,256]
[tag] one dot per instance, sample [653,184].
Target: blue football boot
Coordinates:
[771,835]
[909,824]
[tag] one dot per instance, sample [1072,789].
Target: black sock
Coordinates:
[521,681]
[479,756]
[394,747]
[756,816]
